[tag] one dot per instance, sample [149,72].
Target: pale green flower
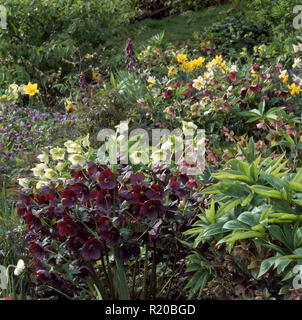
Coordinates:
[139,156]
[159,155]
[57,153]
[77,159]
[39,170]
[43,157]
[50,174]
[73,147]
[60,166]
[23,182]
[122,127]
[188,127]
[86,142]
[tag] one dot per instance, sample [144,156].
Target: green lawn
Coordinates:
[176,28]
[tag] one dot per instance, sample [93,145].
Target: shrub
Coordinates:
[44,44]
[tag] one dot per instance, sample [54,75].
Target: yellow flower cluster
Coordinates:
[172,71]
[68,104]
[218,63]
[181,58]
[151,82]
[294,89]
[189,66]
[205,43]
[284,78]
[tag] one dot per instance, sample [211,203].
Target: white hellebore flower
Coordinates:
[43,157]
[297,63]
[19,268]
[77,159]
[72,147]
[23,182]
[297,47]
[198,83]
[57,153]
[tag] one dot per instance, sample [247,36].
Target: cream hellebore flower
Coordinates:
[39,170]
[72,147]
[23,182]
[159,155]
[297,79]
[198,83]
[43,157]
[139,156]
[86,142]
[188,127]
[50,174]
[208,75]
[77,159]
[19,268]
[167,145]
[57,153]
[41,184]
[234,68]
[297,47]
[60,166]
[122,127]
[297,63]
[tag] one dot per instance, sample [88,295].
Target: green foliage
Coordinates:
[54,36]
[255,199]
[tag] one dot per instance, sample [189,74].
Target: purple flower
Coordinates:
[92,249]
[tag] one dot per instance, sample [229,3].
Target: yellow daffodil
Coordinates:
[68,104]
[31,89]
[172,71]
[284,78]
[181,58]
[199,83]
[151,80]
[189,66]
[198,62]
[294,88]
